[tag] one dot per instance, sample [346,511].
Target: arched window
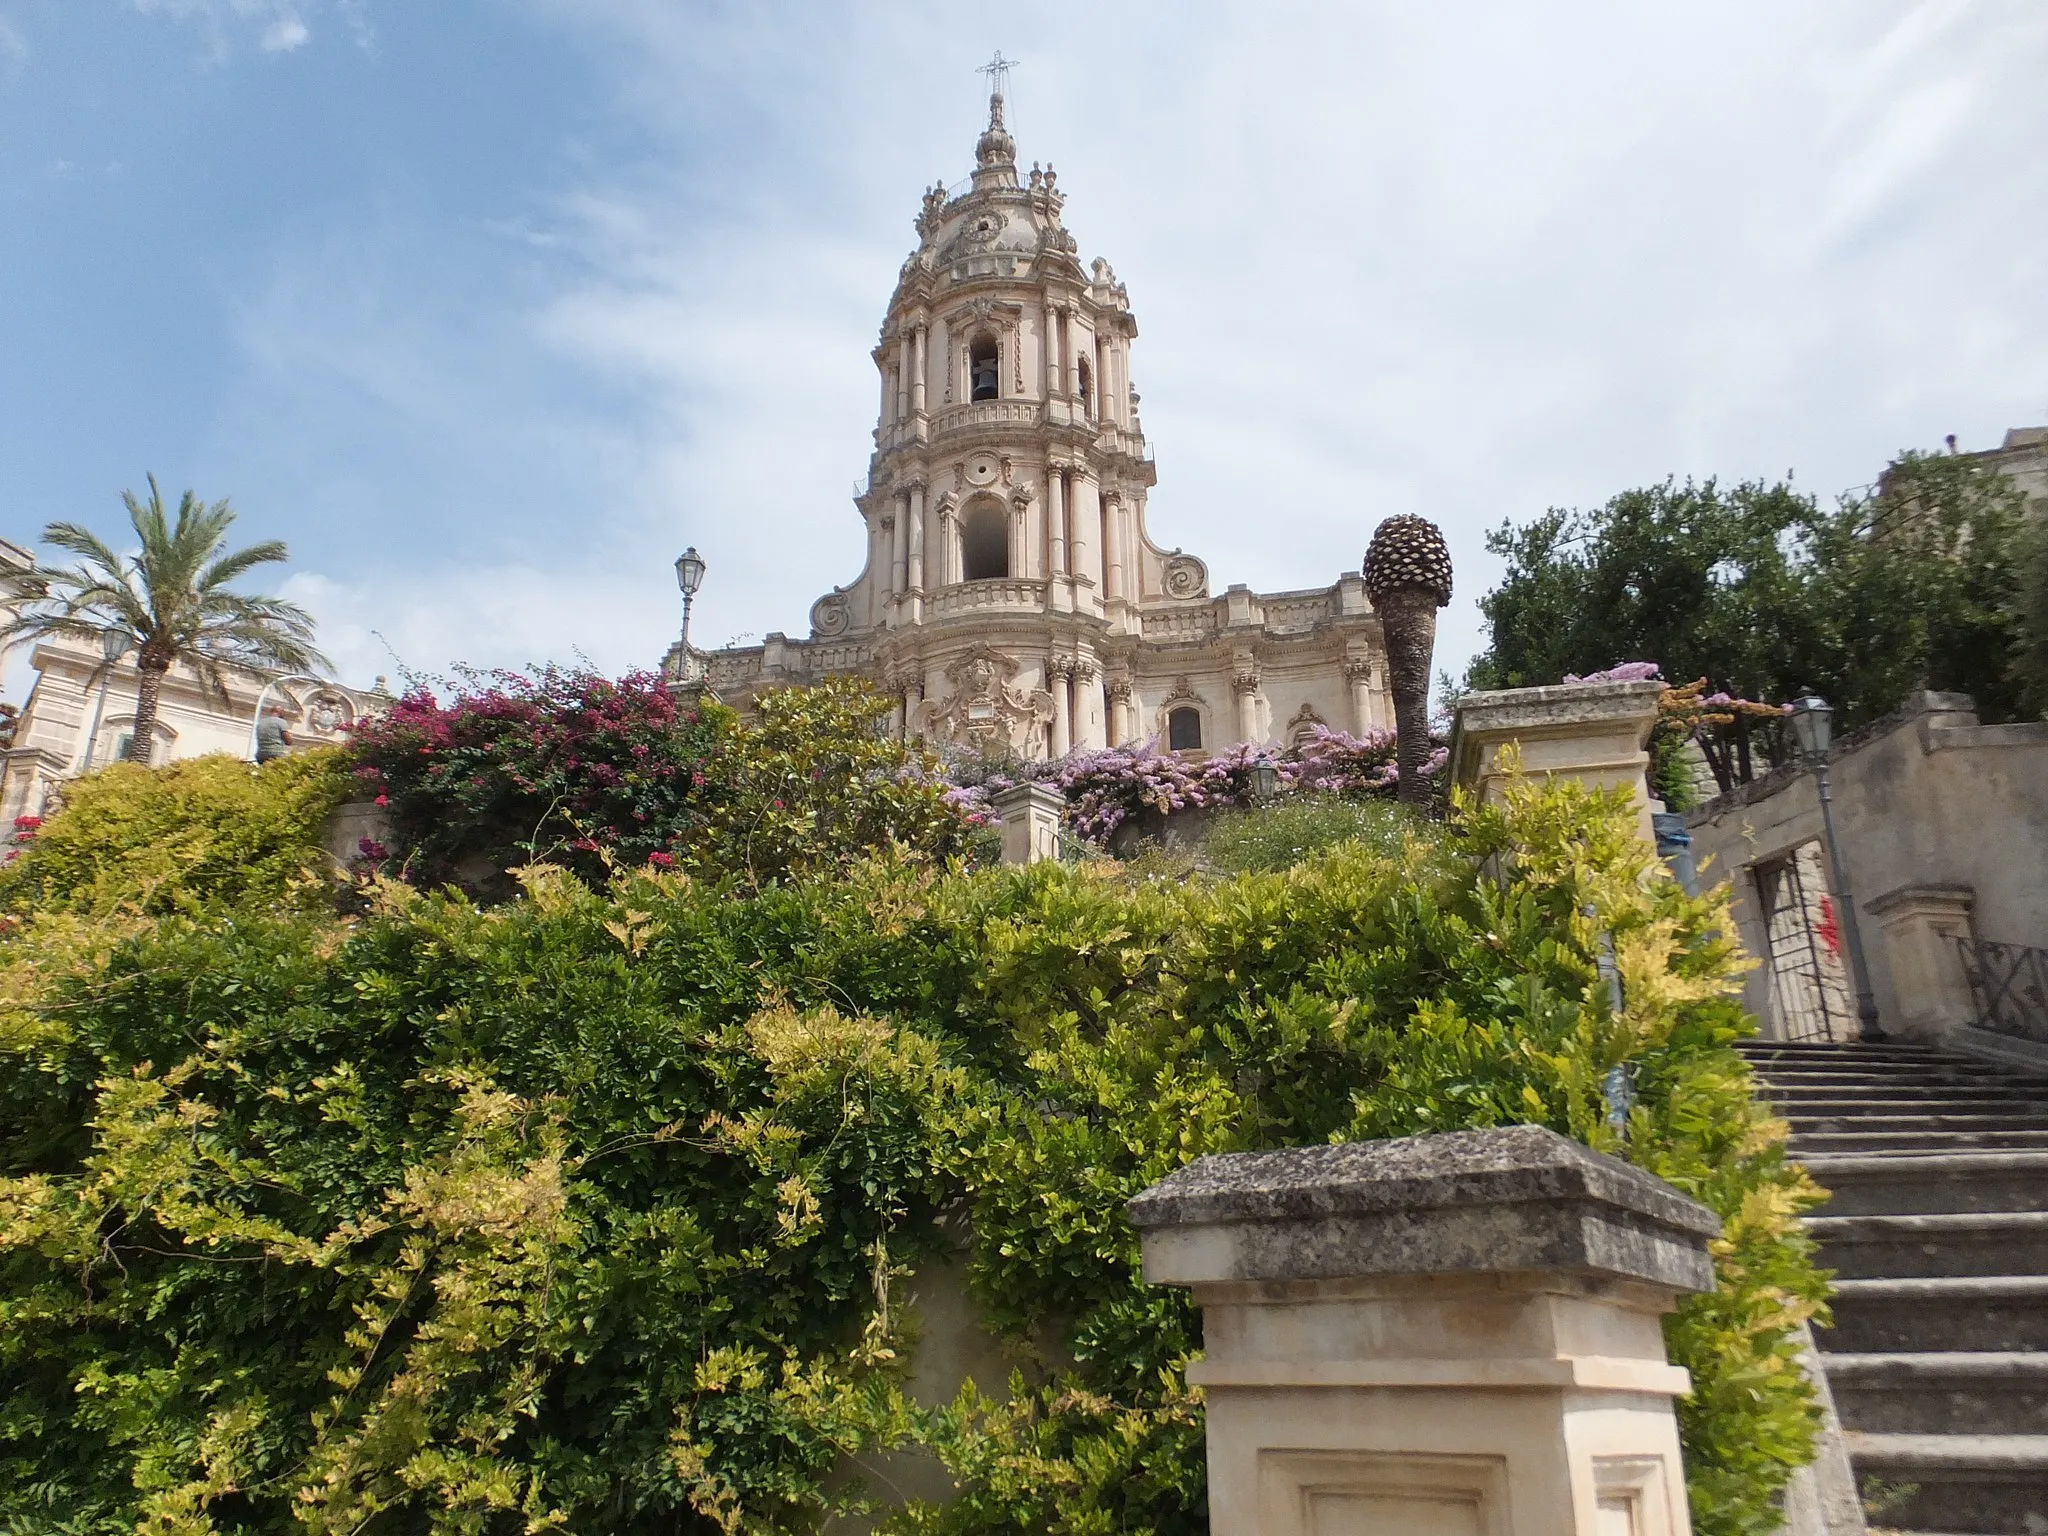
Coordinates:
[1184,729]
[985,543]
[1087,388]
[985,368]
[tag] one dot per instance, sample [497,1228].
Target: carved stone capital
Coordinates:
[1119,690]
[1358,669]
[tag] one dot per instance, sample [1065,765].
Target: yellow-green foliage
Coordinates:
[587,1211]
[209,829]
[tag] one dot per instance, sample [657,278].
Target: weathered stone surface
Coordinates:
[1515,1198]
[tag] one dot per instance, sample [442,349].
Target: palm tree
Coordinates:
[170,600]
[1408,577]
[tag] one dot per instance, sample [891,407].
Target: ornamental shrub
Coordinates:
[596,774]
[209,830]
[599,1209]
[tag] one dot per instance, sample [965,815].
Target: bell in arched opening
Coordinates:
[985,369]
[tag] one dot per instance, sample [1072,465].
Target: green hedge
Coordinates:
[595,1210]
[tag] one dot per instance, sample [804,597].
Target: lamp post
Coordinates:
[1265,779]
[689,576]
[114,645]
[1812,722]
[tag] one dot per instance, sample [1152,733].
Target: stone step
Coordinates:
[1892,1098]
[1816,1143]
[1925,1245]
[1985,1392]
[1938,1315]
[1892,1183]
[2024,1120]
[1975,1483]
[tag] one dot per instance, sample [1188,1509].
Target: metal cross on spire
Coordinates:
[998,71]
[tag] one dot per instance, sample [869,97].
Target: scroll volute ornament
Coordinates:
[1408,577]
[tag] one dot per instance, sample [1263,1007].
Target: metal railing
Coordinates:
[2008,987]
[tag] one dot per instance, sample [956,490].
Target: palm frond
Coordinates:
[241,562]
[85,544]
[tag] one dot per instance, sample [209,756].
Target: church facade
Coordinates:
[1014,601]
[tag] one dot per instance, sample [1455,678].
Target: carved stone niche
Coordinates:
[986,709]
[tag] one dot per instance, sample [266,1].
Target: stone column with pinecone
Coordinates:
[1408,577]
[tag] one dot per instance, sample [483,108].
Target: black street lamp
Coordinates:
[114,644]
[1812,722]
[689,576]
[1265,778]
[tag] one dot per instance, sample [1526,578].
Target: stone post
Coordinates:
[1058,673]
[1597,733]
[1030,814]
[1924,926]
[1455,1333]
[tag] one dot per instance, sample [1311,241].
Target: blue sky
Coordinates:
[490,306]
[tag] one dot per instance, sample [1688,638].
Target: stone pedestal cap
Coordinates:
[1025,798]
[1515,1199]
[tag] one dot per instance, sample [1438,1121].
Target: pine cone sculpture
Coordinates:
[1408,551]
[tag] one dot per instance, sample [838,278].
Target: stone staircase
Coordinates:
[1938,1232]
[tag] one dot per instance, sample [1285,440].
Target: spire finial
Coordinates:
[998,71]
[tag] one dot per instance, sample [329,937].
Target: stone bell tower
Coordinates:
[1012,600]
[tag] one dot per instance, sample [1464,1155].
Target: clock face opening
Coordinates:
[981,471]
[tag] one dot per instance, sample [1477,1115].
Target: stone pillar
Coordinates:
[899,541]
[1119,711]
[1050,341]
[1358,673]
[1058,674]
[1084,513]
[1597,733]
[1450,1333]
[1030,814]
[1070,355]
[903,376]
[1020,503]
[913,703]
[1244,683]
[1924,929]
[1112,547]
[1090,719]
[914,561]
[1056,489]
[920,340]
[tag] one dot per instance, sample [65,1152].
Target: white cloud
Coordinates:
[1469,263]
[284,34]
[13,46]
[280,26]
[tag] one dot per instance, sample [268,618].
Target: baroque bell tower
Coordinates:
[1012,600]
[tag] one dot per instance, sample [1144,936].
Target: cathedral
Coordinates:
[1013,601]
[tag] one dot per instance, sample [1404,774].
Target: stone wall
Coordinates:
[1932,809]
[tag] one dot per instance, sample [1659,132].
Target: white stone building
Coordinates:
[1013,597]
[80,713]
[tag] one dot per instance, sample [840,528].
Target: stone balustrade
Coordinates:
[985,597]
[978,415]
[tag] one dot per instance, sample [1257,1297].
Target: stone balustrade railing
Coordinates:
[981,597]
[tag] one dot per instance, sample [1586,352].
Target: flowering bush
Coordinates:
[598,774]
[1104,789]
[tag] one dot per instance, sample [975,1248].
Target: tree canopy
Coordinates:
[1914,583]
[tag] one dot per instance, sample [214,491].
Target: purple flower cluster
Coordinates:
[1104,789]
[1622,672]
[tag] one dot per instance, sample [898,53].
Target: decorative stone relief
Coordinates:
[1186,576]
[987,709]
[1304,722]
[830,616]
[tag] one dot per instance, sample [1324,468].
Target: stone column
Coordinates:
[1119,711]
[903,376]
[1070,356]
[1058,676]
[914,560]
[1244,683]
[1358,673]
[1019,503]
[1084,512]
[1056,509]
[1090,718]
[1597,733]
[1450,1333]
[1030,814]
[913,703]
[1924,929]
[1112,546]
[919,362]
[1051,344]
[899,540]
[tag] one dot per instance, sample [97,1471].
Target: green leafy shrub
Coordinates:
[209,830]
[1277,836]
[594,1209]
[594,774]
